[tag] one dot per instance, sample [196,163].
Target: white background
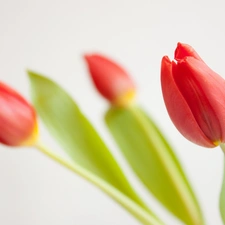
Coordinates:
[50,36]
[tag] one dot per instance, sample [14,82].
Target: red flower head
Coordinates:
[18,124]
[111,80]
[194,96]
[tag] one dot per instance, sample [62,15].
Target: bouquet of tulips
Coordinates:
[194,96]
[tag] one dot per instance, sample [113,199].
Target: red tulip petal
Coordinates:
[204,92]
[178,109]
[17,117]
[184,50]
[111,80]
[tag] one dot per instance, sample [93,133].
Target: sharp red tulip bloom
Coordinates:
[17,119]
[194,96]
[111,80]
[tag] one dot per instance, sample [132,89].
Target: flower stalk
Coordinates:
[143,216]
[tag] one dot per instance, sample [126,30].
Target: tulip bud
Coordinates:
[18,126]
[111,80]
[194,96]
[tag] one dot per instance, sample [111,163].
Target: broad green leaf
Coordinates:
[154,162]
[76,135]
[222,194]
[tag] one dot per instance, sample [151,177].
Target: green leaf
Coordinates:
[222,194]
[154,162]
[76,135]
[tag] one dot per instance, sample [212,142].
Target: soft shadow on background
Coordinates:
[51,37]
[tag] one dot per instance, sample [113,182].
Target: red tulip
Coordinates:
[111,80]
[194,96]
[17,119]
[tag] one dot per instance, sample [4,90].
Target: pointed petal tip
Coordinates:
[184,50]
[180,44]
[179,51]
[90,56]
[166,59]
[166,63]
[87,57]
[93,59]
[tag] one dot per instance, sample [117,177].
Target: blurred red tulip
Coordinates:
[194,96]
[18,124]
[111,80]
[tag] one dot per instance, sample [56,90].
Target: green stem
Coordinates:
[140,214]
[177,179]
[222,194]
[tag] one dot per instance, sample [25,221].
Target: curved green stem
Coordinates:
[222,193]
[143,216]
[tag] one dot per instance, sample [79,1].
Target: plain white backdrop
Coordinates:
[50,36]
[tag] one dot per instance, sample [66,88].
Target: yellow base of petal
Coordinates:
[126,99]
[216,143]
[32,138]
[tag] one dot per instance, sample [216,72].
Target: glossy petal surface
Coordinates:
[178,108]
[194,96]
[201,88]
